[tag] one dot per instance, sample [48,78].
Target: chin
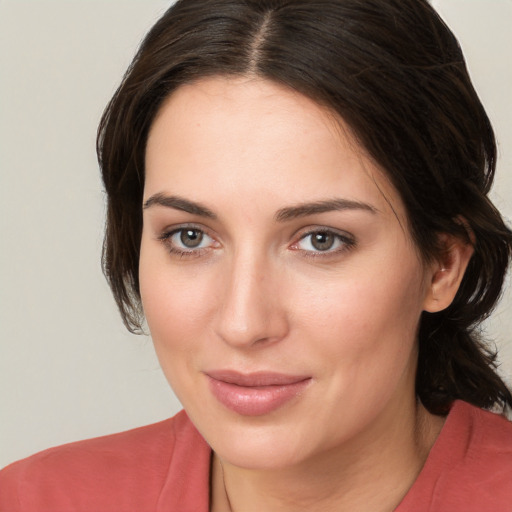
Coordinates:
[266,453]
[257,443]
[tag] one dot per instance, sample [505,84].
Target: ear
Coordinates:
[446,272]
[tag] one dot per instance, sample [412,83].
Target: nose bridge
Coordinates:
[251,310]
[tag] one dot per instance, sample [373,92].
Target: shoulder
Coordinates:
[469,467]
[478,454]
[97,474]
[479,439]
[488,457]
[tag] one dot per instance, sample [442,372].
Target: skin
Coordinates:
[257,295]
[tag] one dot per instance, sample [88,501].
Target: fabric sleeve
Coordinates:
[10,482]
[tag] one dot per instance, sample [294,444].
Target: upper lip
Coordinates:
[255,379]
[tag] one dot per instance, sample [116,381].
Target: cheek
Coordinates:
[367,316]
[177,310]
[177,305]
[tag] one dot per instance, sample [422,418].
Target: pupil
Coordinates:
[191,237]
[322,241]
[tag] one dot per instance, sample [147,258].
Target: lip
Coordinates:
[255,394]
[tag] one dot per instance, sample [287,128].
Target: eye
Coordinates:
[324,241]
[187,241]
[189,238]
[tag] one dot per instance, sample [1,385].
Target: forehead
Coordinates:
[250,137]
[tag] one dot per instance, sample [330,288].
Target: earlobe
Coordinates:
[447,272]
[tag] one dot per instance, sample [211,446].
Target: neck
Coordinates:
[373,473]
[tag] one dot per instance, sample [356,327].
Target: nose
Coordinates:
[252,311]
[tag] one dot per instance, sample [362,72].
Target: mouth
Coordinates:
[255,394]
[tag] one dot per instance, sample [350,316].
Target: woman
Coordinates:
[297,206]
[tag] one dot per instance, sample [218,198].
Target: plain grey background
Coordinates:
[68,368]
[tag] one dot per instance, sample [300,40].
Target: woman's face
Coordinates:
[278,276]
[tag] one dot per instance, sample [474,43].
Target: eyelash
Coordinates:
[345,241]
[166,239]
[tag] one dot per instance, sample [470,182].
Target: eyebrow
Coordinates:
[179,203]
[305,209]
[282,215]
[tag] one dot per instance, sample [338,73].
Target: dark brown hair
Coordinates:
[396,75]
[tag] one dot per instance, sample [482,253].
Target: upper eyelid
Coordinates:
[170,230]
[166,236]
[303,232]
[347,239]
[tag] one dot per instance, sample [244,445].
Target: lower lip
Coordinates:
[257,400]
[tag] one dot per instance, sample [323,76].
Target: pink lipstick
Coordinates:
[257,393]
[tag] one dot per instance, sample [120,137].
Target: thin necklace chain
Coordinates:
[224,484]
